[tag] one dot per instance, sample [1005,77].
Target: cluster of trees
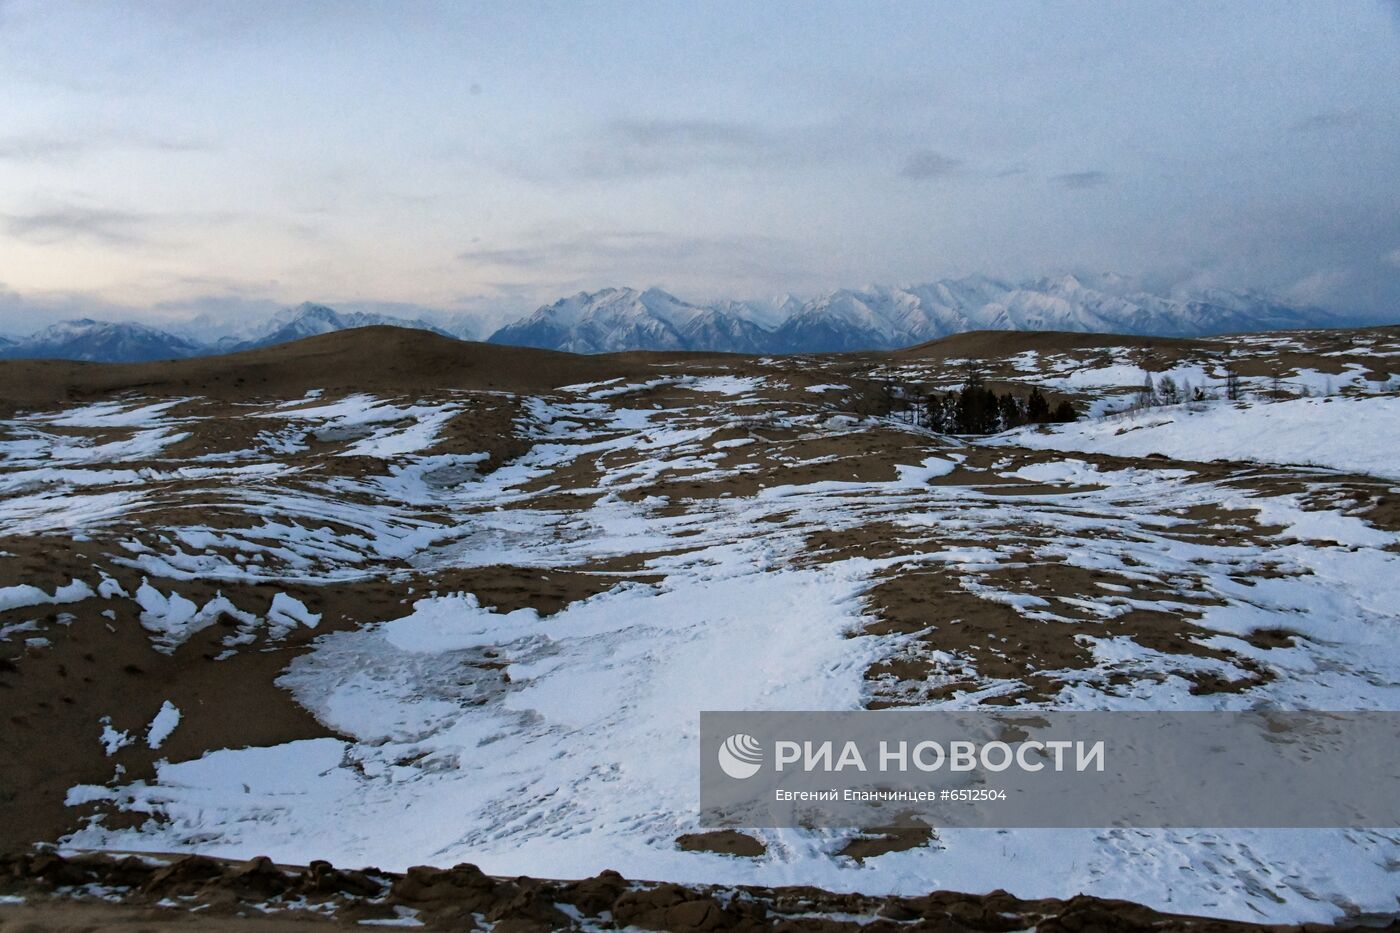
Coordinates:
[976,409]
[1166,391]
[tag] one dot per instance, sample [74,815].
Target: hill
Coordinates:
[380,359]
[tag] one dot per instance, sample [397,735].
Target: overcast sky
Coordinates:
[166,159]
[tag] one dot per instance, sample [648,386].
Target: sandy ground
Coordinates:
[86,893]
[370,544]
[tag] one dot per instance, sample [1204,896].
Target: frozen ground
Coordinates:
[1348,434]
[759,547]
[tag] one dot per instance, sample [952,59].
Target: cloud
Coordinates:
[651,147]
[612,247]
[22,314]
[640,148]
[72,222]
[1329,120]
[687,133]
[20,149]
[545,264]
[925,163]
[55,148]
[1392,258]
[1320,287]
[1081,180]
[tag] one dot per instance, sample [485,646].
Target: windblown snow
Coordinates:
[761,537]
[1318,432]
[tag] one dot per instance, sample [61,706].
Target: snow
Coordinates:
[162,725]
[173,619]
[1080,473]
[19,597]
[290,611]
[1353,434]
[61,509]
[32,447]
[879,316]
[165,614]
[725,385]
[111,414]
[559,745]
[378,428]
[113,739]
[582,759]
[407,917]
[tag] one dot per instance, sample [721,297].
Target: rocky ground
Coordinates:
[51,892]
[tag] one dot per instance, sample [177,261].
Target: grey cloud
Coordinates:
[640,148]
[1080,180]
[200,317]
[926,163]
[231,304]
[72,222]
[1329,120]
[57,148]
[648,147]
[627,149]
[22,314]
[608,247]
[64,222]
[661,133]
[560,263]
[39,150]
[497,303]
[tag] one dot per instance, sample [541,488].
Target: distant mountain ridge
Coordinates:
[885,317]
[100,342]
[131,342]
[624,319]
[309,320]
[874,318]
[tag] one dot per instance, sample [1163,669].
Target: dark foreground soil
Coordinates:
[383,360]
[43,890]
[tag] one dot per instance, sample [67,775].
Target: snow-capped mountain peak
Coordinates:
[309,319]
[131,342]
[875,317]
[615,319]
[883,317]
[101,341]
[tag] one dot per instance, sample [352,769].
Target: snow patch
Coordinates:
[162,725]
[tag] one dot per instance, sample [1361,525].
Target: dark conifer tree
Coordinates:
[977,407]
[1232,384]
[933,414]
[1012,415]
[1037,407]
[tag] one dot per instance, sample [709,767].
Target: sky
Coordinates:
[215,161]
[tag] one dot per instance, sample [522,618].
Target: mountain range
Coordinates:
[873,318]
[132,342]
[309,320]
[884,317]
[100,341]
